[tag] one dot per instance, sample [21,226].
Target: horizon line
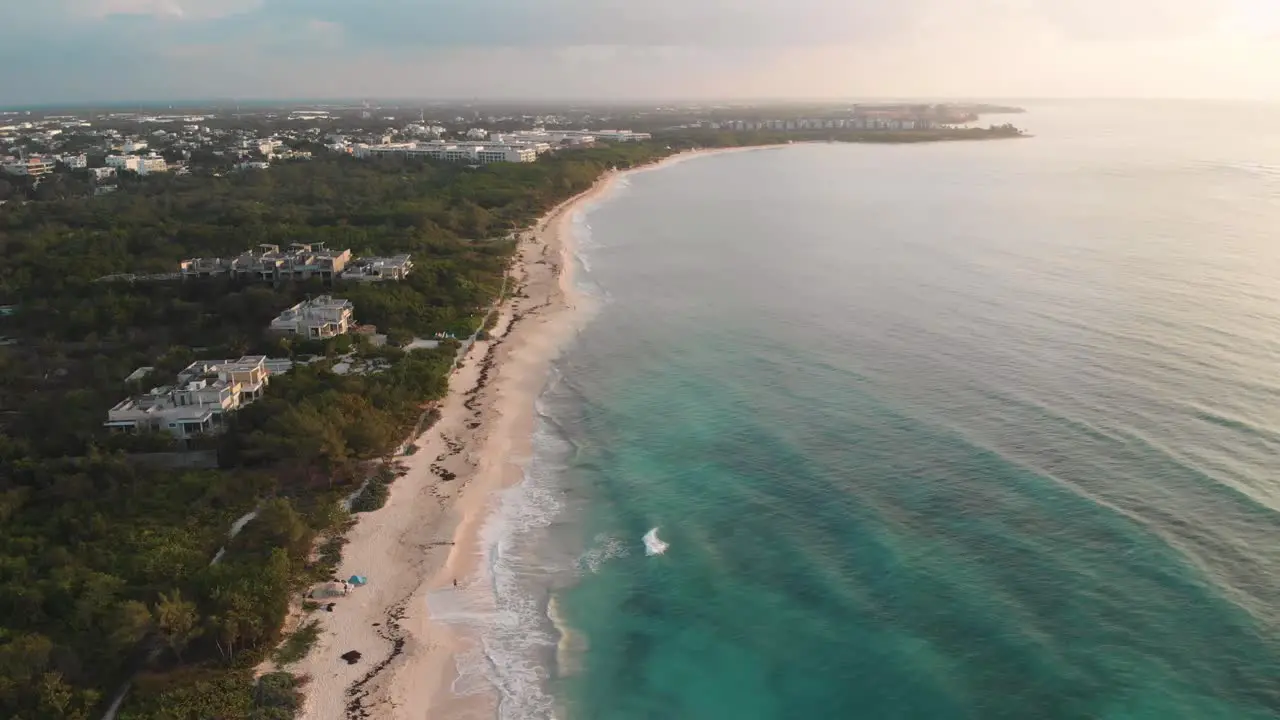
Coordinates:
[396,102]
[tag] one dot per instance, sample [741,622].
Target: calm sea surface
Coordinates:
[980,430]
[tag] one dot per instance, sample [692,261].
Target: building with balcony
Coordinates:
[269,263]
[206,392]
[33,166]
[317,319]
[375,269]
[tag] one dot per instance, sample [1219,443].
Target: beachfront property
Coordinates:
[373,269]
[301,261]
[315,319]
[206,391]
[473,152]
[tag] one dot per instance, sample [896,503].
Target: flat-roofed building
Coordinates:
[396,267]
[33,166]
[302,261]
[206,391]
[316,319]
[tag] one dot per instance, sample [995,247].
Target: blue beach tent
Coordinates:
[358,580]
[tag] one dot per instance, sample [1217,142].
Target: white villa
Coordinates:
[207,390]
[396,267]
[321,317]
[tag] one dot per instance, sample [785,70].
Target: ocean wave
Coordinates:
[603,549]
[505,607]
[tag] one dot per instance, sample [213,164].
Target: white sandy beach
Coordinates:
[427,535]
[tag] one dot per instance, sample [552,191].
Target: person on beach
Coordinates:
[455,582]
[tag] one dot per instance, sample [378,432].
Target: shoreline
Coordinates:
[428,537]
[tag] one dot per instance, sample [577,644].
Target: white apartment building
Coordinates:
[319,318]
[75,162]
[481,153]
[375,269]
[195,409]
[268,147]
[141,164]
[124,162]
[103,173]
[577,137]
[206,392]
[152,164]
[477,134]
[133,146]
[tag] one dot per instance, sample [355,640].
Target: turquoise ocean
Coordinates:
[970,430]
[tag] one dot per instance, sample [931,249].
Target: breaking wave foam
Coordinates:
[506,607]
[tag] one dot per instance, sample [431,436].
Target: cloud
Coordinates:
[616,48]
[172,9]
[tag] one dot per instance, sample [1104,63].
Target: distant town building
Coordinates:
[319,318]
[141,164]
[269,147]
[479,153]
[152,164]
[75,162]
[124,162]
[33,166]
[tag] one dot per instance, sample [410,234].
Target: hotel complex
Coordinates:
[301,261]
[478,153]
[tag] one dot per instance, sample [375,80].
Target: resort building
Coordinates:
[478,153]
[206,392]
[574,137]
[379,268]
[319,318]
[269,264]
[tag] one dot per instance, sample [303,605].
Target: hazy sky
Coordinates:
[119,50]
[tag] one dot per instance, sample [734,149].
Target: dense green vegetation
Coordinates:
[106,562]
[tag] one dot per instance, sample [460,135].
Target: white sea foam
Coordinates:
[602,550]
[504,607]
[652,545]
